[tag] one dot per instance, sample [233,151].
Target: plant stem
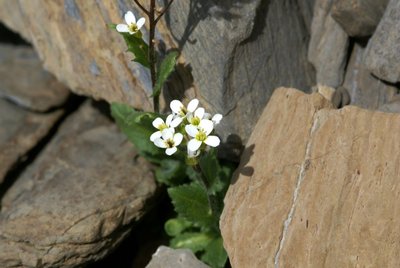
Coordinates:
[152,53]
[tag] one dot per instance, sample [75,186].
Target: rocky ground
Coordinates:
[316,186]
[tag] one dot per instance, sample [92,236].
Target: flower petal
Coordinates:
[199,112]
[169,119]
[176,106]
[212,141]
[192,105]
[192,154]
[157,122]
[176,122]
[191,131]
[155,136]
[178,137]
[167,133]
[171,151]
[206,125]
[140,23]
[122,28]
[130,18]
[160,143]
[194,145]
[217,118]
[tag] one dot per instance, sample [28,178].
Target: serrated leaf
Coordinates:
[171,172]
[215,254]
[137,126]
[176,226]
[138,47]
[166,68]
[190,202]
[193,241]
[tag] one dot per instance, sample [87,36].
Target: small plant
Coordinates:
[182,145]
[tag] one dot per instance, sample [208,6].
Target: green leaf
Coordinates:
[138,47]
[137,126]
[211,169]
[191,203]
[171,172]
[176,226]
[215,254]
[166,68]
[193,241]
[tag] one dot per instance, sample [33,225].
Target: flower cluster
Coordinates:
[191,123]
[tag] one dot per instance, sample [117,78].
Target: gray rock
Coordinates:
[328,46]
[238,51]
[358,18]
[77,201]
[382,56]
[241,51]
[365,90]
[24,81]
[20,131]
[166,257]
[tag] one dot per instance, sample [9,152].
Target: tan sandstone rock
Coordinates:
[20,131]
[78,199]
[323,190]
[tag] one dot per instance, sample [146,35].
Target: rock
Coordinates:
[316,187]
[24,81]
[365,90]
[20,131]
[328,46]
[382,56]
[238,53]
[78,199]
[358,18]
[166,257]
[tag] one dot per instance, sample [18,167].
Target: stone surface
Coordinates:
[365,90]
[24,81]
[317,187]
[328,46]
[233,53]
[358,18]
[77,201]
[20,131]
[166,257]
[382,56]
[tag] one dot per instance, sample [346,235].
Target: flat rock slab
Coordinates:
[366,91]
[166,257]
[24,81]
[20,131]
[328,46]
[358,17]
[317,187]
[77,201]
[382,56]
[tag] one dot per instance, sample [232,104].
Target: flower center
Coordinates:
[170,143]
[183,111]
[162,126]
[201,136]
[195,121]
[133,27]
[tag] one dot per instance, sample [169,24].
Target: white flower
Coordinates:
[169,140]
[131,25]
[159,124]
[201,134]
[216,119]
[180,110]
[192,154]
[196,117]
